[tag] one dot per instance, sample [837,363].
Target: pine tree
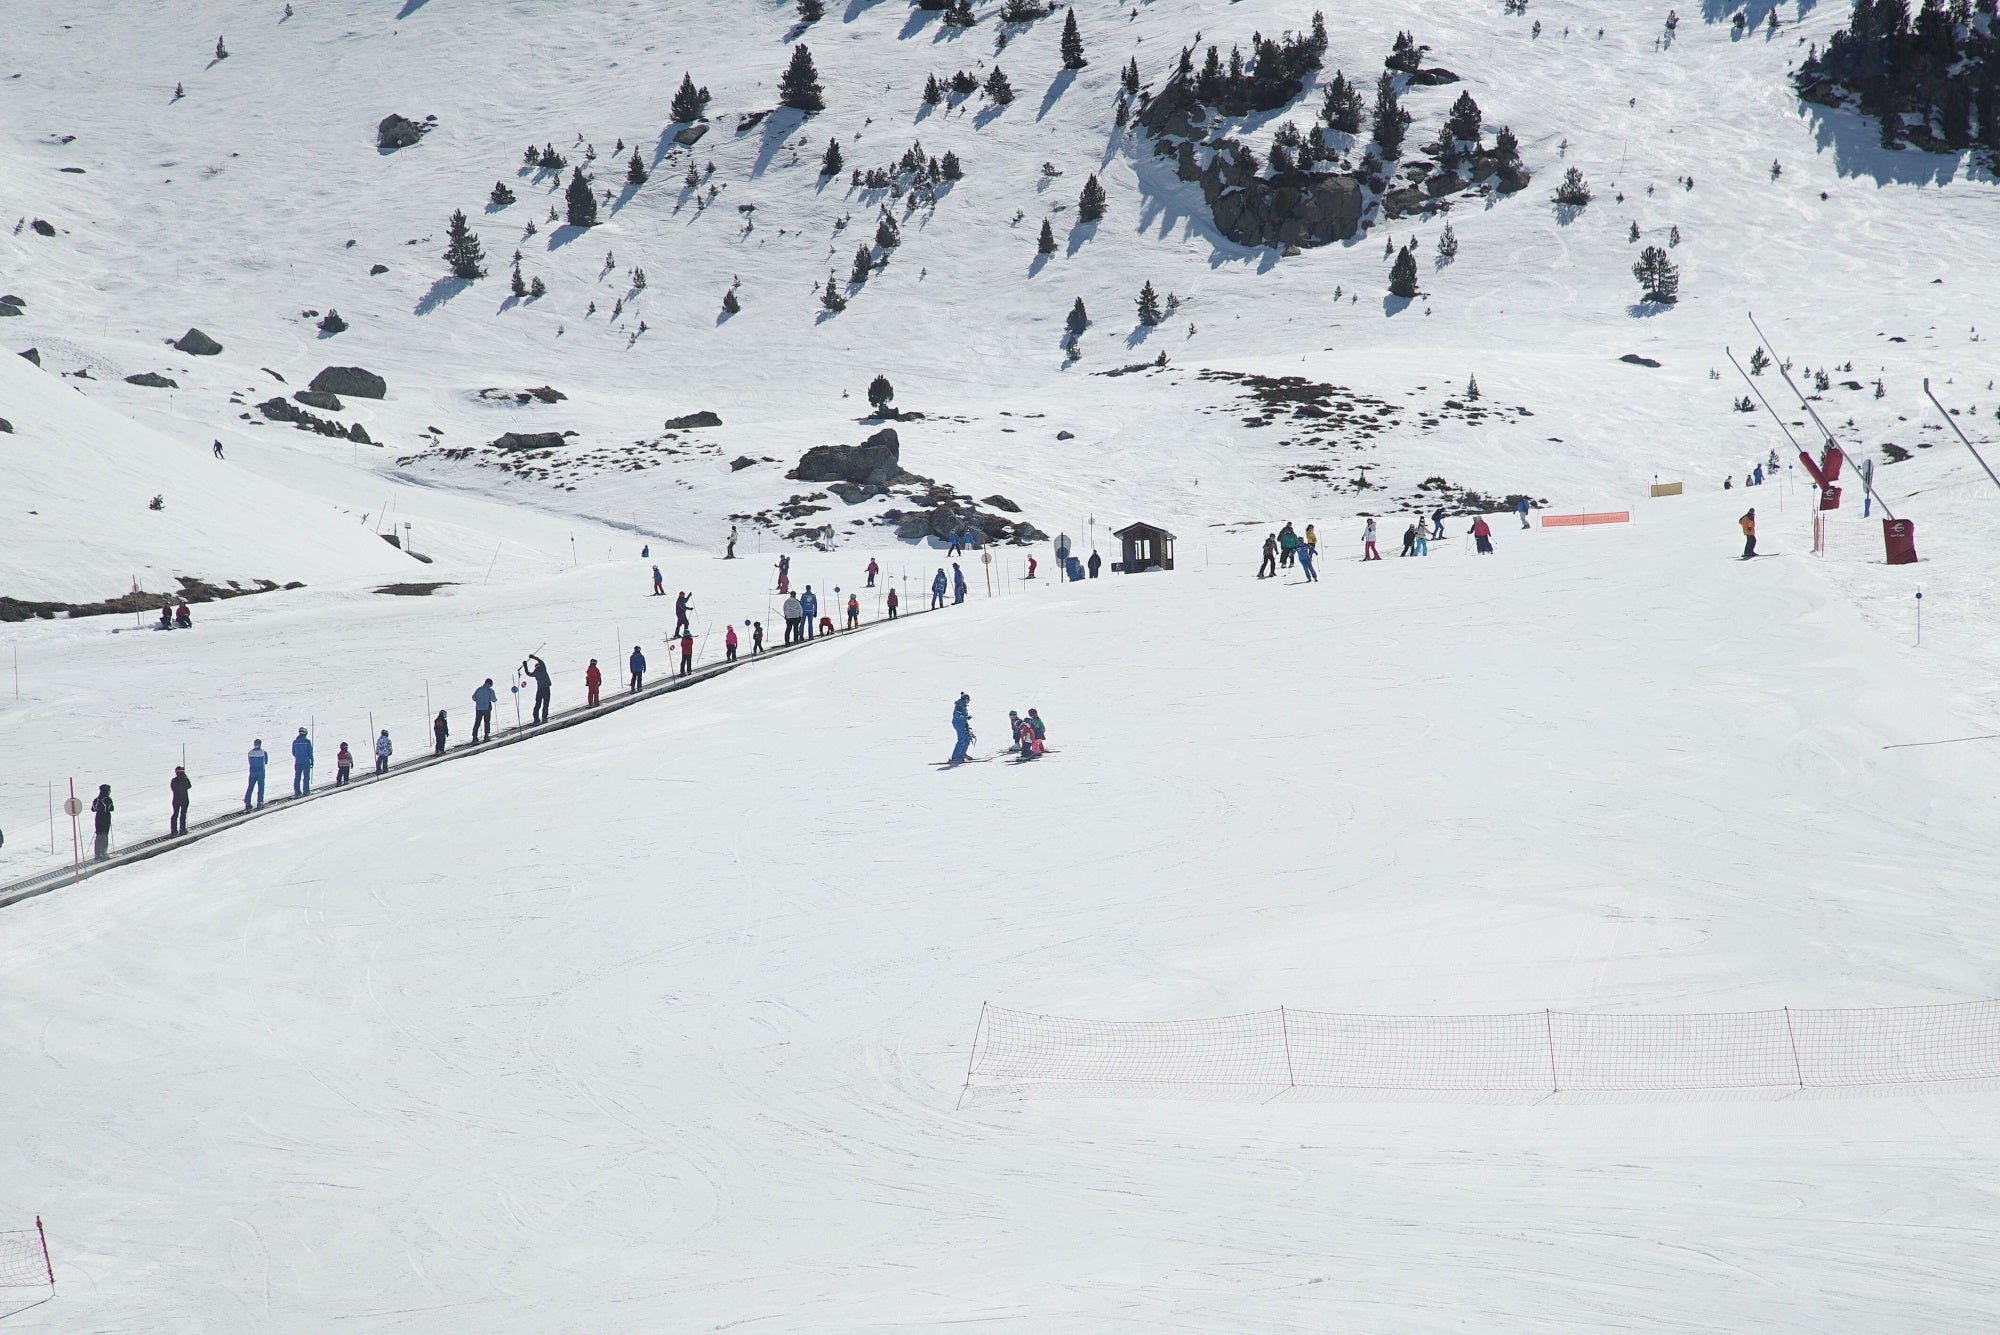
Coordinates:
[1472,388]
[1079,319]
[933,94]
[1448,244]
[830,163]
[519,285]
[1403,275]
[221,51]
[1760,359]
[1574,190]
[997,87]
[687,105]
[800,87]
[638,279]
[635,170]
[1072,44]
[950,168]
[1464,120]
[1090,204]
[887,235]
[502,195]
[881,394]
[1633,235]
[1130,77]
[830,297]
[1674,235]
[1659,277]
[1342,108]
[1506,145]
[811,11]
[693,179]
[179,93]
[1047,244]
[537,288]
[1149,306]
[730,305]
[1390,120]
[864,265]
[579,200]
[461,250]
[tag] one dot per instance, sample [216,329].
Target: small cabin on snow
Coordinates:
[1147,547]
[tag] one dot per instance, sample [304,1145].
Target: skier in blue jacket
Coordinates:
[1521,509]
[938,586]
[957,584]
[259,758]
[302,764]
[483,701]
[638,666]
[809,604]
[961,724]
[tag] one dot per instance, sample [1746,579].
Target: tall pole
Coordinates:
[1927,394]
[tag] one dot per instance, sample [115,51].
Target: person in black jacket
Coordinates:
[179,786]
[544,688]
[440,729]
[101,806]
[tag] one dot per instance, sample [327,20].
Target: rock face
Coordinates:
[693,420]
[284,410]
[529,440]
[741,462]
[6,427]
[351,381]
[33,355]
[152,380]
[197,344]
[1634,359]
[318,398]
[874,462]
[400,132]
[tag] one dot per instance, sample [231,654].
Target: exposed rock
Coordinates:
[1636,360]
[1402,203]
[318,398]
[11,300]
[1002,503]
[42,228]
[856,492]
[6,427]
[352,381]
[876,460]
[152,380]
[197,344]
[284,410]
[530,440]
[688,136]
[33,355]
[539,394]
[692,420]
[1027,533]
[359,435]
[400,132]
[1432,77]
[1065,435]
[375,269]
[1446,183]
[7,308]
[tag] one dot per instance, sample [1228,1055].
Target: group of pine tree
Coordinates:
[1931,76]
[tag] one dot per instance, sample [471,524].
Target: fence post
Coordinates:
[1549,1028]
[1284,1027]
[1797,1069]
[971,1055]
[43,1235]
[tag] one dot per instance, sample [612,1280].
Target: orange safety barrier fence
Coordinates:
[1577,521]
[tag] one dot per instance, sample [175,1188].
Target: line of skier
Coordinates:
[1287,547]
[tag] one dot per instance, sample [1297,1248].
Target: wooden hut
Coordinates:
[1147,547]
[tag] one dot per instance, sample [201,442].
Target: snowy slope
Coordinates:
[662,1025]
[79,523]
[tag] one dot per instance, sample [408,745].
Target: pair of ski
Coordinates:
[1018,759]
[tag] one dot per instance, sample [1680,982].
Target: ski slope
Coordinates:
[660,1023]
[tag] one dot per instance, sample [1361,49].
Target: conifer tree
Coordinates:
[1090,204]
[1390,121]
[1472,388]
[1130,77]
[997,87]
[1448,244]
[687,101]
[1072,44]
[829,165]
[811,11]
[950,168]
[1079,319]
[502,195]
[1464,120]
[635,170]
[1149,305]
[830,297]
[1403,275]
[800,86]
[1342,108]
[933,94]
[864,265]
[462,251]
[730,305]
[1574,191]
[1506,145]
[1047,244]
[537,288]
[519,285]
[1659,277]
[579,200]
[881,394]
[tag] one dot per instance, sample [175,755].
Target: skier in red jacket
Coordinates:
[592,679]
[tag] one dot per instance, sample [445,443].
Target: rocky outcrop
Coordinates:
[352,381]
[319,398]
[152,380]
[876,461]
[284,410]
[531,440]
[400,131]
[197,344]
[693,420]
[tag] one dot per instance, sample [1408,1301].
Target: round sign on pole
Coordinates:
[72,806]
[1062,546]
[986,557]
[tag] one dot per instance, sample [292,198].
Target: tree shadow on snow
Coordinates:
[856,8]
[1139,334]
[1856,142]
[1755,12]
[1057,87]
[1646,310]
[986,115]
[1393,305]
[1078,234]
[1569,213]
[1037,264]
[410,7]
[625,193]
[563,235]
[775,128]
[914,24]
[443,290]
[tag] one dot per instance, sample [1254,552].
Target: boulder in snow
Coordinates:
[197,344]
[692,420]
[875,460]
[318,398]
[152,380]
[352,381]
[400,131]
[529,440]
